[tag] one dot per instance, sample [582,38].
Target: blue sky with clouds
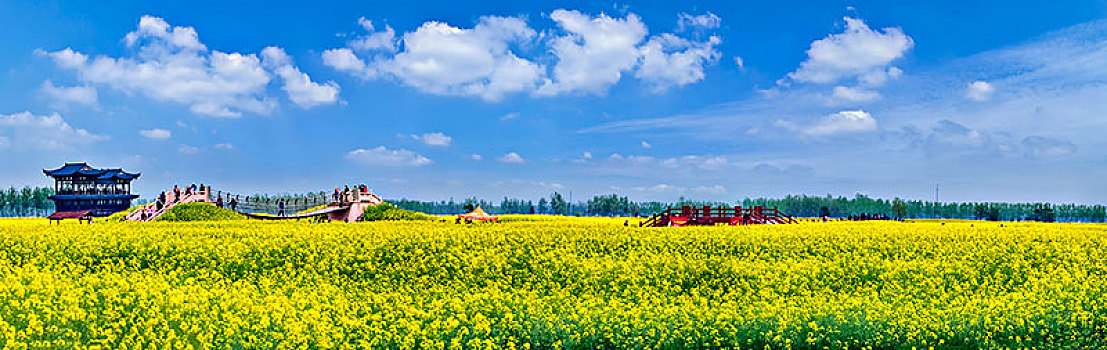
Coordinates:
[431,100]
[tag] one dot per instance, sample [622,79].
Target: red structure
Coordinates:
[708,215]
[81,216]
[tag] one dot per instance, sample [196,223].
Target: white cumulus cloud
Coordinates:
[697,22]
[668,60]
[858,52]
[155,134]
[855,94]
[186,149]
[78,95]
[594,53]
[28,131]
[979,91]
[344,60]
[383,156]
[299,87]
[442,59]
[511,158]
[842,122]
[384,40]
[434,139]
[587,54]
[170,64]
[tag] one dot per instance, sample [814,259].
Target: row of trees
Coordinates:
[814,206]
[26,201]
[556,204]
[799,206]
[30,201]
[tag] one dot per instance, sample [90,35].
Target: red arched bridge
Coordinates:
[719,215]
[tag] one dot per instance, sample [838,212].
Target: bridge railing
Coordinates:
[258,204]
[719,214]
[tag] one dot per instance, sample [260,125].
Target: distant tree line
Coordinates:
[556,204]
[34,201]
[27,201]
[799,206]
[814,206]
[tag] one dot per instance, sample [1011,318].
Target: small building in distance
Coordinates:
[79,187]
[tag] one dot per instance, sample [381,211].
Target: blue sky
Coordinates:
[710,100]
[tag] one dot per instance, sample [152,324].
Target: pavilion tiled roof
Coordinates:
[84,169]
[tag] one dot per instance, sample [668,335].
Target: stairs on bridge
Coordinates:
[151,211]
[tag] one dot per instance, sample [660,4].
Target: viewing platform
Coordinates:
[79,187]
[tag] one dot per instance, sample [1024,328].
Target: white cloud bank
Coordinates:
[706,21]
[382,156]
[663,188]
[78,95]
[434,139]
[855,94]
[512,158]
[589,55]
[442,59]
[979,91]
[170,64]
[155,134]
[858,52]
[26,131]
[834,123]
[188,150]
[299,87]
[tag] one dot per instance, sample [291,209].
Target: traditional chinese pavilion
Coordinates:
[79,187]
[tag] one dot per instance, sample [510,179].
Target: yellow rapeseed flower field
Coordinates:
[539,282]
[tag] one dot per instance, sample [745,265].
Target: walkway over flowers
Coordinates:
[347,206]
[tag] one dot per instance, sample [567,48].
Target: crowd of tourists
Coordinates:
[173,196]
[344,195]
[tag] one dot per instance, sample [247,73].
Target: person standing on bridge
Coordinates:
[280,207]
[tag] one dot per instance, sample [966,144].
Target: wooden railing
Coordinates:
[711,215]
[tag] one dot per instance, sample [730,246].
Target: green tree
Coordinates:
[470,205]
[1043,212]
[899,209]
[558,205]
[543,206]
